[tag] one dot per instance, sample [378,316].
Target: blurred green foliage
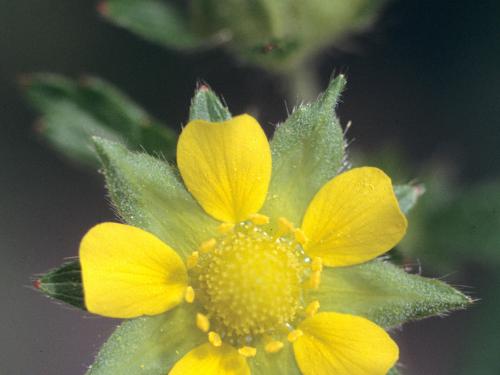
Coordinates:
[278,35]
[74,111]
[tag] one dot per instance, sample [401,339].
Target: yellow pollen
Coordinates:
[312,309]
[192,260]
[250,283]
[247,351]
[315,279]
[259,219]
[273,346]
[189,295]
[225,228]
[202,322]
[214,339]
[294,335]
[285,226]
[300,236]
[208,245]
[317,264]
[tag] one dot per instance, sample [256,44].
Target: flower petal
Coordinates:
[355,217]
[226,166]
[207,359]
[343,344]
[128,272]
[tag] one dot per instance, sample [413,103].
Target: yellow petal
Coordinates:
[226,166]
[355,217]
[128,272]
[343,344]
[207,359]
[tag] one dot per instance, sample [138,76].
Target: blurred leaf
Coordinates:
[64,284]
[386,294]
[149,345]
[482,330]
[74,112]
[451,228]
[206,105]
[408,195]
[154,20]
[307,150]
[147,192]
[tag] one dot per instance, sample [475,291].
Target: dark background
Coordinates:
[426,78]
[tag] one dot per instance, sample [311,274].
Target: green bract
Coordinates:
[308,150]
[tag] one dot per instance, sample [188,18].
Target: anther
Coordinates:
[214,339]
[247,351]
[202,322]
[317,264]
[192,260]
[273,346]
[294,335]
[312,308]
[259,219]
[225,228]
[300,236]
[315,279]
[208,245]
[285,225]
[189,295]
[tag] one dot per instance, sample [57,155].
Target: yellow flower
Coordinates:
[251,287]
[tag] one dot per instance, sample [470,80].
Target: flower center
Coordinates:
[250,282]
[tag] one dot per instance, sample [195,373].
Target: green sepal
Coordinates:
[385,294]
[154,20]
[207,106]
[74,111]
[408,195]
[147,192]
[307,151]
[394,371]
[63,283]
[149,345]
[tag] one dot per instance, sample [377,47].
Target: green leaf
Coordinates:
[63,283]
[147,192]
[206,105]
[73,112]
[386,294]
[149,345]
[408,195]
[154,20]
[308,150]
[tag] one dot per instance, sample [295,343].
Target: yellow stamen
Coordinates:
[315,279]
[312,308]
[317,264]
[300,236]
[294,335]
[225,228]
[214,339]
[247,351]
[259,219]
[273,346]
[189,295]
[192,260]
[208,245]
[285,225]
[202,322]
